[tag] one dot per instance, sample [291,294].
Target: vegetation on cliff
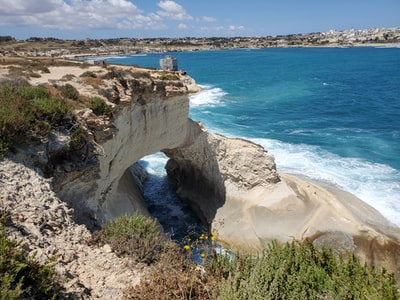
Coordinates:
[33,112]
[23,277]
[26,110]
[136,236]
[291,271]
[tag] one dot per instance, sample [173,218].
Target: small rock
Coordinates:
[107,248]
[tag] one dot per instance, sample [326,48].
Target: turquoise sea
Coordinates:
[330,114]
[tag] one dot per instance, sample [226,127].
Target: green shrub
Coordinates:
[88,74]
[168,77]
[300,271]
[99,107]
[136,236]
[22,277]
[77,136]
[30,92]
[49,109]
[26,109]
[44,69]
[69,92]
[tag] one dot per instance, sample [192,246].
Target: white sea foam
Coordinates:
[209,96]
[156,187]
[155,163]
[105,57]
[115,57]
[376,184]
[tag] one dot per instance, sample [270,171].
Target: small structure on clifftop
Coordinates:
[169,63]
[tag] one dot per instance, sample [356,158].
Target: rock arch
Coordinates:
[232,183]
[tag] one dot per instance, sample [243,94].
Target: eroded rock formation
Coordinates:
[231,183]
[234,185]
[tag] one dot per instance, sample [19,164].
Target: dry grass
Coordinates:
[93,81]
[176,276]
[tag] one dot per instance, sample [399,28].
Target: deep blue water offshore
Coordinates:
[331,114]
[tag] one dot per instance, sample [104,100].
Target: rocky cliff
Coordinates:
[151,115]
[232,184]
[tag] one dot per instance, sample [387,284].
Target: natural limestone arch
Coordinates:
[232,184]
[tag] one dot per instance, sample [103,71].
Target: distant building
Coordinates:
[98,62]
[169,63]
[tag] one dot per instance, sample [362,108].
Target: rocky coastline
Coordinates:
[232,184]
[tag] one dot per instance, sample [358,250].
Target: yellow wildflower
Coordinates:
[202,255]
[186,247]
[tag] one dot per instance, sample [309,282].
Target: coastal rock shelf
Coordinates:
[232,184]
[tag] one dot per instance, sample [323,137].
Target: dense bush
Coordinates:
[300,271]
[99,107]
[22,277]
[26,109]
[136,236]
[69,92]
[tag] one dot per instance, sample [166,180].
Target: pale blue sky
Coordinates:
[76,19]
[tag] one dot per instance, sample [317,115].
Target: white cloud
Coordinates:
[182,26]
[209,19]
[236,28]
[173,11]
[222,30]
[18,7]
[213,30]
[97,15]
[77,14]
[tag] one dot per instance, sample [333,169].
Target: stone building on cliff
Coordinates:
[169,63]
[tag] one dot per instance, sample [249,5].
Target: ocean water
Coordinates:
[330,114]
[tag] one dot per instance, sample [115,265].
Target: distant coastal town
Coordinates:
[54,47]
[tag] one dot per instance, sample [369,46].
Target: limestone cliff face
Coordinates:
[150,115]
[142,130]
[207,167]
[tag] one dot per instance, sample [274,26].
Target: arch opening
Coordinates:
[175,216]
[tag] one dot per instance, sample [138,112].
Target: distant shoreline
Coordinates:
[82,55]
[53,47]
